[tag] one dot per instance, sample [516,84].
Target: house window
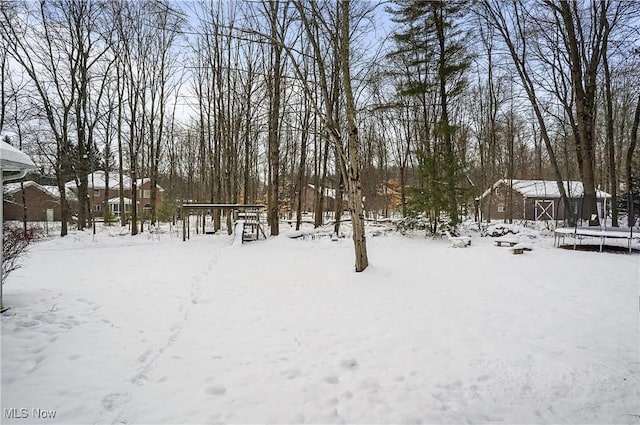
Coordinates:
[500,207]
[97,207]
[115,208]
[496,191]
[146,194]
[96,193]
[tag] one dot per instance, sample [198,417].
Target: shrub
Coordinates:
[15,242]
[109,218]
[165,212]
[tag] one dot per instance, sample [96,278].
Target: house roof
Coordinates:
[127,201]
[140,182]
[53,191]
[545,188]
[97,180]
[13,160]
[328,192]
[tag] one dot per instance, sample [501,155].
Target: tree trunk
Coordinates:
[354,185]
[302,171]
[273,206]
[613,183]
[629,164]
[583,83]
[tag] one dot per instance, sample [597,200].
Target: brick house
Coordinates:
[98,190]
[535,200]
[144,193]
[42,202]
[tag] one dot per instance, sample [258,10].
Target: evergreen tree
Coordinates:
[431,47]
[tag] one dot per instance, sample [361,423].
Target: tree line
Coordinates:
[252,101]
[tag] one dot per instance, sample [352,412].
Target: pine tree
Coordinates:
[431,47]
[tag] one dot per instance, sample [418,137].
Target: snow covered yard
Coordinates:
[155,330]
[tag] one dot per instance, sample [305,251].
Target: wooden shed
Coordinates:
[535,200]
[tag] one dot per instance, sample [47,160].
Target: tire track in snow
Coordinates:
[116,408]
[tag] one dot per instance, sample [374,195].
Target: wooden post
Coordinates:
[184,233]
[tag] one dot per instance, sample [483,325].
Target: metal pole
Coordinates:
[1,238]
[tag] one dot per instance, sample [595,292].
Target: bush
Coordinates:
[420,222]
[109,218]
[15,242]
[164,212]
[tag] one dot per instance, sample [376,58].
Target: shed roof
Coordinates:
[547,189]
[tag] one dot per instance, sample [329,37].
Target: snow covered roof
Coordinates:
[140,182]
[116,201]
[97,180]
[53,191]
[13,160]
[545,188]
[331,193]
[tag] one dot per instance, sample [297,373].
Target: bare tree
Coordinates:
[510,23]
[49,70]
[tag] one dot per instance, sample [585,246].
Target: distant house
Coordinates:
[97,189]
[536,200]
[309,195]
[42,202]
[143,187]
[388,199]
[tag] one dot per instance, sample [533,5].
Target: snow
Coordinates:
[150,329]
[112,201]
[97,180]
[328,192]
[546,188]
[238,232]
[597,232]
[141,182]
[12,159]
[54,191]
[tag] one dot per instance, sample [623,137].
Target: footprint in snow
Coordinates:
[216,390]
[291,373]
[349,364]
[110,400]
[483,378]
[331,379]
[140,379]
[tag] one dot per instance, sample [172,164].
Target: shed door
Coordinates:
[544,210]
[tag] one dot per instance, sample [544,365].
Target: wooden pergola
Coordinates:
[248,212]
